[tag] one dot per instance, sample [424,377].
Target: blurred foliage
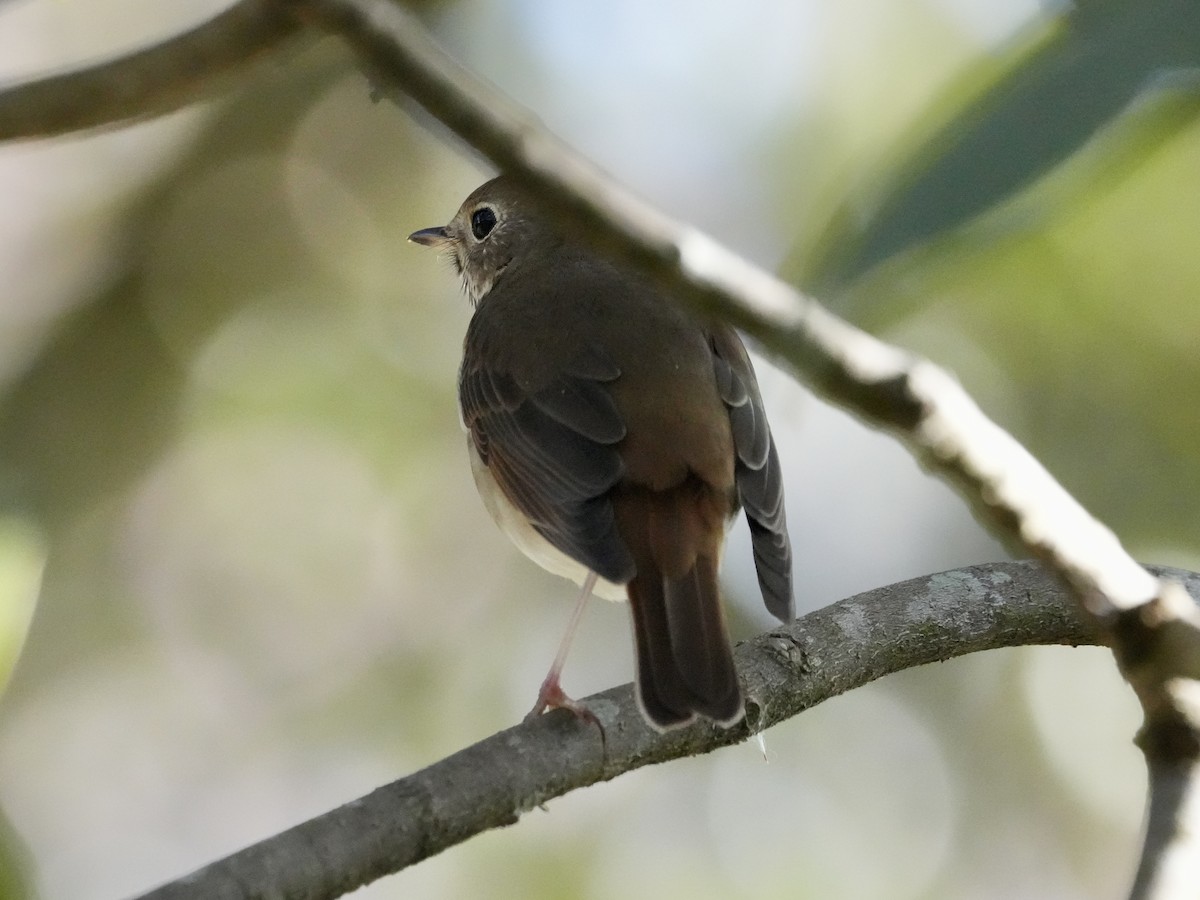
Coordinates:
[14,864]
[1046,227]
[22,557]
[1075,76]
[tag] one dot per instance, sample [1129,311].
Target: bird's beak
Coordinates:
[430,237]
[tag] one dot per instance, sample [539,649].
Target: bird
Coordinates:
[613,436]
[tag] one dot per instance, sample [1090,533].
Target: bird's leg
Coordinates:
[551,695]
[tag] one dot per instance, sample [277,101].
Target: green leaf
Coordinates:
[1102,64]
[22,557]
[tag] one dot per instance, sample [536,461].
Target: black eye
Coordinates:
[483,220]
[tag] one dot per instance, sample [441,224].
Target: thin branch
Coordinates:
[784,671]
[1158,657]
[156,80]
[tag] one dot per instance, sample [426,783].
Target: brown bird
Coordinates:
[614,437]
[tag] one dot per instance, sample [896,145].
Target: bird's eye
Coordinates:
[483,220]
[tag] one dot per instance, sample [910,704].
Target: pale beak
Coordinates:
[430,237]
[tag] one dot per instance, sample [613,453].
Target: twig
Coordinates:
[152,81]
[784,671]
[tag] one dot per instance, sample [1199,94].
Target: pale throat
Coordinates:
[477,281]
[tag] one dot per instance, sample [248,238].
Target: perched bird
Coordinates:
[614,437]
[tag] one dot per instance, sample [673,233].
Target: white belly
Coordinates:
[514,524]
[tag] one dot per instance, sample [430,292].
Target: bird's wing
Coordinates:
[758,475]
[552,452]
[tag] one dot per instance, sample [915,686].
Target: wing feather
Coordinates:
[758,473]
[552,451]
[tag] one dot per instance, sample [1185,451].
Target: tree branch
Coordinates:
[784,671]
[152,81]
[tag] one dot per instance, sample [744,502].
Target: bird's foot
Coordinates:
[552,696]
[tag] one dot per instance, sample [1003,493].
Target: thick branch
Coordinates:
[784,671]
[152,81]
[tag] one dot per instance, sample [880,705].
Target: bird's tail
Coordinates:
[684,661]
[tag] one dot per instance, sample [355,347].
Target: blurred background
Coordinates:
[245,577]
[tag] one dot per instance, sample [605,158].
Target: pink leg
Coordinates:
[551,695]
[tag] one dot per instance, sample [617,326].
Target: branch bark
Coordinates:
[155,80]
[784,671]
